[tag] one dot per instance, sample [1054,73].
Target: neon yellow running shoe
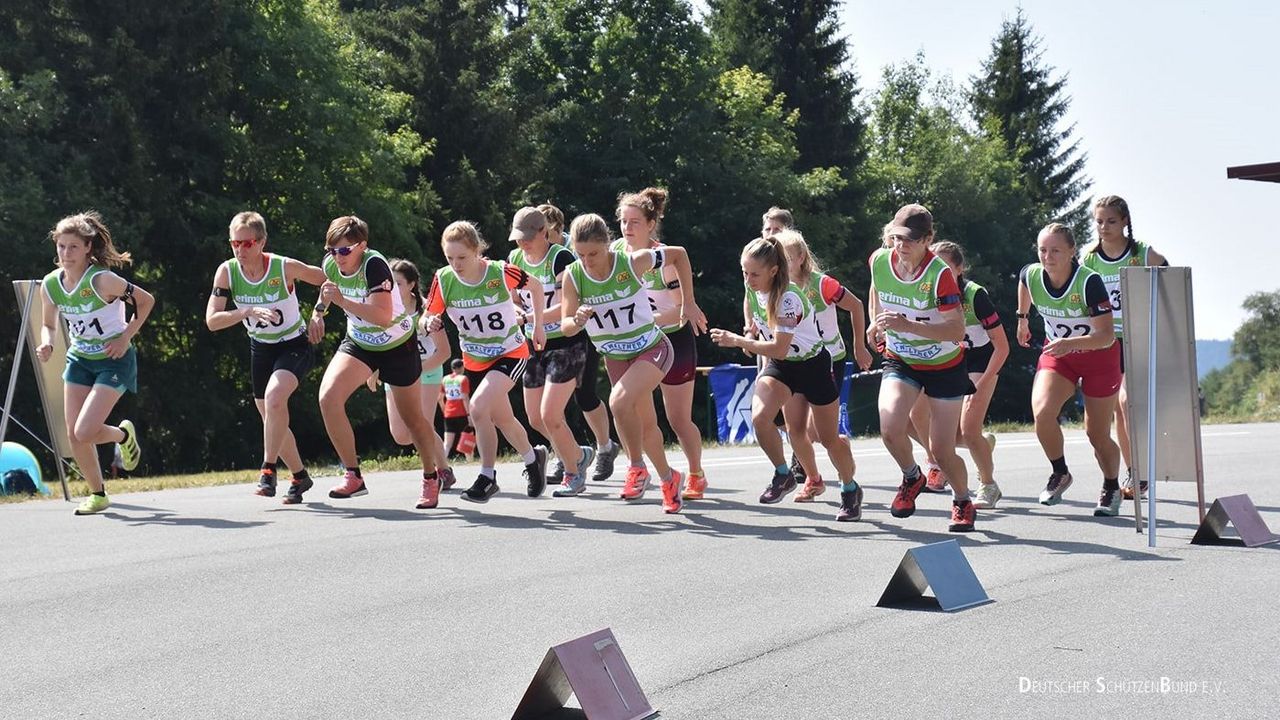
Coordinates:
[93,504]
[130,453]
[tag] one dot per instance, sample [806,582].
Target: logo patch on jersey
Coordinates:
[86,292]
[1134,261]
[622,292]
[493,284]
[925,287]
[1075,298]
[622,277]
[491,299]
[273,282]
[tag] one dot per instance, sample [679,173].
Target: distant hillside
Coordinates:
[1211,355]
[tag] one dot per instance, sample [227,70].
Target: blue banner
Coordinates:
[732,387]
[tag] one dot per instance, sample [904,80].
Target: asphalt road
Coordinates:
[213,603]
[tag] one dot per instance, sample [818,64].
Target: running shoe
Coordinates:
[904,503]
[1126,487]
[266,484]
[584,464]
[430,493]
[781,486]
[571,485]
[962,516]
[604,462]
[556,472]
[482,489]
[696,486]
[812,488]
[671,502]
[797,470]
[93,504]
[1108,503]
[850,506]
[1052,493]
[296,488]
[447,478]
[988,495]
[536,472]
[637,483]
[352,486]
[130,452]
[935,482]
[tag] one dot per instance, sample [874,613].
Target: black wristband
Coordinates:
[1024,315]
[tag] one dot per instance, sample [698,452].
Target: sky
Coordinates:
[1164,97]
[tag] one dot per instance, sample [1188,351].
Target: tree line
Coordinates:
[170,117]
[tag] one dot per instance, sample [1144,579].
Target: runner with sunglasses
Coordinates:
[263,286]
[379,338]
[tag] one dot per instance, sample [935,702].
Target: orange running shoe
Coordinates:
[813,487]
[430,493]
[637,482]
[671,502]
[697,486]
[935,482]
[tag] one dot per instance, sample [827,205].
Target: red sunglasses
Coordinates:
[242,243]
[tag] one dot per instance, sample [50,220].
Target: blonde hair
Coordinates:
[589,228]
[769,252]
[347,227]
[465,232]
[793,242]
[251,220]
[88,226]
[1056,228]
[651,201]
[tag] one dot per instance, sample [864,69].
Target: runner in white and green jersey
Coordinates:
[1115,249]
[798,366]
[604,295]
[639,217]
[828,296]
[919,319]
[380,332]
[1079,349]
[101,362]
[553,373]
[475,293]
[264,289]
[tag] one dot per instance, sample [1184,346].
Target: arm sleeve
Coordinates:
[378,278]
[562,261]
[985,309]
[831,289]
[515,277]
[1096,296]
[435,301]
[948,291]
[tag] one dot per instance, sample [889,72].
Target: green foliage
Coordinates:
[1249,386]
[1017,99]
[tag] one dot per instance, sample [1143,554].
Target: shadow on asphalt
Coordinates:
[160,516]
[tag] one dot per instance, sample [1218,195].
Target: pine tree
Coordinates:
[798,46]
[1018,99]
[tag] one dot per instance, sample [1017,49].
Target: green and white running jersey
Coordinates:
[795,315]
[1134,256]
[92,322]
[975,334]
[662,296]
[622,326]
[273,292]
[917,299]
[1065,316]
[544,271]
[483,312]
[825,315]
[356,287]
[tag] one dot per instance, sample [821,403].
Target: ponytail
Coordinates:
[769,252]
[410,273]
